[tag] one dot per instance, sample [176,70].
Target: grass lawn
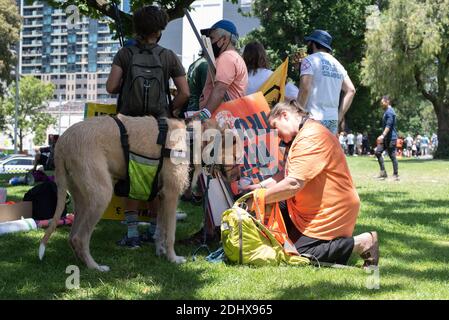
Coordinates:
[411,217]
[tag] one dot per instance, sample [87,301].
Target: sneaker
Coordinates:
[180,215]
[132,242]
[371,256]
[396,177]
[382,175]
[148,235]
[194,199]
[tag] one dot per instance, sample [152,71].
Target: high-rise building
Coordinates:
[71,51]
[75,52]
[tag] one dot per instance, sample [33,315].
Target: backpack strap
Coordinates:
[122,186]
[123,137]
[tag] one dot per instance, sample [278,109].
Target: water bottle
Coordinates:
[17,225]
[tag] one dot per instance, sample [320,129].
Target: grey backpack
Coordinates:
[145,89]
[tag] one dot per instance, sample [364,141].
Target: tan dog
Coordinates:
[89,161]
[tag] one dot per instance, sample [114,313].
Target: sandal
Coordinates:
[371,256]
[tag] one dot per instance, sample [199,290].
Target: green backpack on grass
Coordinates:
[246,240]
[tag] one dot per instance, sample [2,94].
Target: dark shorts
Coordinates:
[332,251]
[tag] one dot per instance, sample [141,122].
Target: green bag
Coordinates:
[247,241]
[142,174]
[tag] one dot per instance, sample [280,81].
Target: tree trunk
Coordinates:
[20,142]
[443,132]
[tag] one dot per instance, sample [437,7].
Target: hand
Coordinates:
[251,187]
[202,115]
[380,139]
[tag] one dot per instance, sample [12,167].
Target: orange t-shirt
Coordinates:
[328,205]
[231,70]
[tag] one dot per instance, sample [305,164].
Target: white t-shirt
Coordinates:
[350,138]
[328,75]
[258,78]
[409,141]
[359,139]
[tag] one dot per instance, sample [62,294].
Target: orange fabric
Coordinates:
[272,220]
[328,205]
[251,112]
[231,70]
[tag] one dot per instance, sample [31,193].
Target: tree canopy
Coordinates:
[9,35]
[408,54]
[104,8]
[33,97]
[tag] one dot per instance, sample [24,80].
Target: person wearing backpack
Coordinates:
[140,73]
[141,70]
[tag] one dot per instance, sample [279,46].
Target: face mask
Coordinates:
[216,49]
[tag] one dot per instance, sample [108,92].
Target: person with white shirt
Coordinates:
[321,82]
[359,143]
[257,64]
[350,138]
[409,145]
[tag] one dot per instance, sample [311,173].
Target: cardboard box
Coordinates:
[11,212]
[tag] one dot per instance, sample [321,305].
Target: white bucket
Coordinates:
[17,225]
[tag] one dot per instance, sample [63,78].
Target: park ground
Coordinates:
[411,217]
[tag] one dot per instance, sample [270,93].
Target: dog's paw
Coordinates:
[103,268]
[178,260]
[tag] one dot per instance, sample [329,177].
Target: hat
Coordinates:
[222,24]
[322,37]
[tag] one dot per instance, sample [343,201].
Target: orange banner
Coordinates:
[249,117]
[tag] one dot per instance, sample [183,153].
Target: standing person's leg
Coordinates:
[391,149]
[132,222]
[351,149]
[378,152]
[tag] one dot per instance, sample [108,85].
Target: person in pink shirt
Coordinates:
[231,78]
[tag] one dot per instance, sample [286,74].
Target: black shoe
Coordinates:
[132,242]
[148,236]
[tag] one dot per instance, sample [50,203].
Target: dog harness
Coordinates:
[142,173]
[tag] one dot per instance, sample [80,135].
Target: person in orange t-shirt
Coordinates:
[317,196]
[231,77]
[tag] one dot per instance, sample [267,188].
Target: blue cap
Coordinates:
[222,24]
[322,37]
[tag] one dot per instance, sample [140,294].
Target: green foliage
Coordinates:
[9,35]
[284,24]
[102,9]
[33,97]
[408,55]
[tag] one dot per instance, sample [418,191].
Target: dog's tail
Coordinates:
[61,182]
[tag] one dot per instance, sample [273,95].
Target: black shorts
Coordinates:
[332,251]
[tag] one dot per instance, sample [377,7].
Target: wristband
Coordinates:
[204,114]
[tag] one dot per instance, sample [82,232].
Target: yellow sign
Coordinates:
[274,88]
[115,210]
[97,109]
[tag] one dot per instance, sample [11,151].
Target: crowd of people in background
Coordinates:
[407,146]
